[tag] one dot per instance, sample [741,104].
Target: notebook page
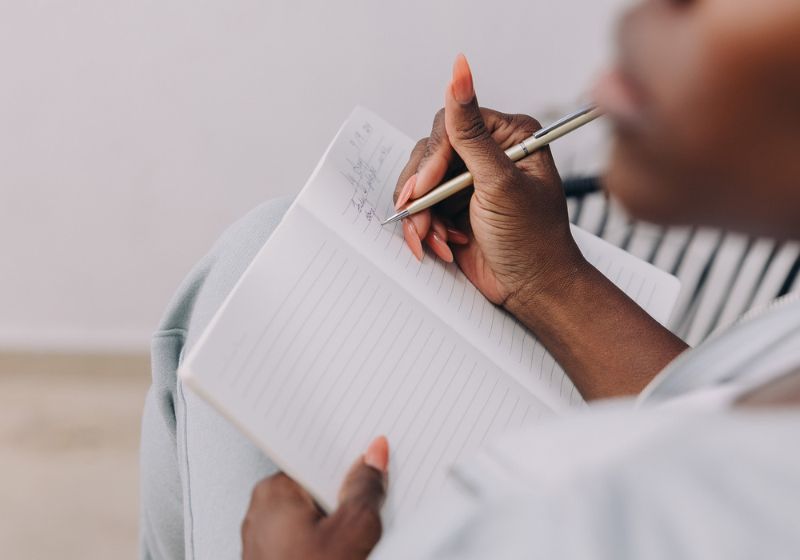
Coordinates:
[316,352]
[353,190]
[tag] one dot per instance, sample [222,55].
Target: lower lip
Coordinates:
[618,97]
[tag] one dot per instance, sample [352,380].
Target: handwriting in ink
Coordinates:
[364,172]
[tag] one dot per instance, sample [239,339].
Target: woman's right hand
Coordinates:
[510,235]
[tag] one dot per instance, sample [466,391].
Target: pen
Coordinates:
[522,150]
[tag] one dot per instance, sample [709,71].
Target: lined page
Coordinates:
[336,334]
[317,351]
[351,192]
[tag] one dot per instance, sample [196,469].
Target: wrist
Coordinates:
[551,284]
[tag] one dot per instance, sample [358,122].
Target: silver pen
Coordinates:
[522,150]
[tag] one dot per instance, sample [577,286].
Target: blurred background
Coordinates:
[132,133]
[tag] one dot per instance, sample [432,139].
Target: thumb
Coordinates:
[367,477]
[357,520]
[467,130]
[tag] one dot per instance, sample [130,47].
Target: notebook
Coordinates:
[336,334]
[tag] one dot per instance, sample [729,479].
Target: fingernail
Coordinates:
[438,226]
[462,86]
[377,455]
[412,238]
[420,223]
[405,192]
[457,236]
[440,246]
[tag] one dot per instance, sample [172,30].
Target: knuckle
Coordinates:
[283,483]
[504,118]
[437,130]
[263,489]
[525,123]
[472,129]
[274,487]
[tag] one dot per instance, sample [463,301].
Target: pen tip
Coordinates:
[397,217]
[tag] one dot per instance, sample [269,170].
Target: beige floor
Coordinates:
[69,431]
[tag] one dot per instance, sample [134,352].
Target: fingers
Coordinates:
[283,520]
[462,134]
[508,130]
[432,168]
[456,236]
[357,520]
[409,172]
[279,509]
[437,240]
[416,227]
[280,489]
[412,236]
[367,477]
[430,159]
[405,193]
[438,236]
[436,159]
[519,128]
[426,168]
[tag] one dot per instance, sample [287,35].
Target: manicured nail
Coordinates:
[412,238]
[440,246]
[462,86]
[377,455]
[457,236]
[421,222]
[438,226]
[405,192]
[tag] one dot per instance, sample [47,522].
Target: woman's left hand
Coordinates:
[284,523]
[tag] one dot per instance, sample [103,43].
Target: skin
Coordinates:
[283,521]
[704,106]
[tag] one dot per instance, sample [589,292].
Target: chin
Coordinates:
[644,192]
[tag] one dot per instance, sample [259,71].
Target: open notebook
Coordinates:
[336,334]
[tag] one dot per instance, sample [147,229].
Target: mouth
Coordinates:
[618,91]
[620,97]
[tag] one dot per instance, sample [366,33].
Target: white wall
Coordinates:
[132,132]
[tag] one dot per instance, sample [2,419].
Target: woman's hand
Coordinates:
[284,523]
[510,235]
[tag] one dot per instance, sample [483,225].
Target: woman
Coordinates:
[705,462]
